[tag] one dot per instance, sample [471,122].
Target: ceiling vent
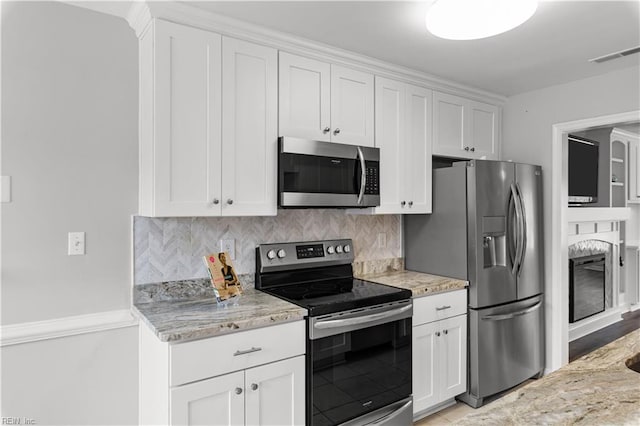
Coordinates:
[616,55]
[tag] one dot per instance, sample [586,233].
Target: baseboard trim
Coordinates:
[595,323]
[27,332]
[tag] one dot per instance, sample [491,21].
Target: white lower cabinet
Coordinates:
[271,394]
[439,352]
[253,377]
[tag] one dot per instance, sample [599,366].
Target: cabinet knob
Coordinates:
[445,331]
[473,149]
[466,148]
[402,203]
[336,131]
[438,333]
[229,201]
[216,201]
[410,203]
[326,130]
[254,386]
[238,391]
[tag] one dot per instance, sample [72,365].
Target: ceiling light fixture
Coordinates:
[474,19]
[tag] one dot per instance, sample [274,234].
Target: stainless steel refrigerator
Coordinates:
[486,228]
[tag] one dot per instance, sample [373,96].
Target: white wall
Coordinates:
[527,137]
[69,141]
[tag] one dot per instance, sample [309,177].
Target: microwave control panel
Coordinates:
[372,185]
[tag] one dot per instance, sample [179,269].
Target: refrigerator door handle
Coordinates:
[514,205]
[513,314]
[523,228]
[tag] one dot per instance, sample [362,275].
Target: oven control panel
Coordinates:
[310,250]
[282,256]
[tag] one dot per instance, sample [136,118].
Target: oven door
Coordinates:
[324,174]
[359,366]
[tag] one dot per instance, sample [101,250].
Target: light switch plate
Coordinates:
[5,189]
[230,247]
[76,243]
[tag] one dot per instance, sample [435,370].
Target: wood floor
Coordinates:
[582,346]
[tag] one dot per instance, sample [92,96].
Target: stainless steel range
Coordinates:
[358,333]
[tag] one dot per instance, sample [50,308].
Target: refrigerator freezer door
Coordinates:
[490,235]
[531,270]
[506,347]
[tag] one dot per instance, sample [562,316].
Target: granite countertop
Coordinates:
[419,283]
[197,318]
[595,389]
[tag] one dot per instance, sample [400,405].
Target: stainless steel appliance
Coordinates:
[323,174]
[358,359]
[486,228]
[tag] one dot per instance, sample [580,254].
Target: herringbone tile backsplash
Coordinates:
[169,249]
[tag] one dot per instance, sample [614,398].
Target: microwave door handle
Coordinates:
[363,175]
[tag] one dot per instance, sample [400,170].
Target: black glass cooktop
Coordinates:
[337,295]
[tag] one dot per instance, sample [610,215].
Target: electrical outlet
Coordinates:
[76,243]
[382,240]
[230,247]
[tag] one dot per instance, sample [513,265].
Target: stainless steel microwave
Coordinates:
[324,174]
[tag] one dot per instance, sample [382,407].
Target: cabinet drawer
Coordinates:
[215,356]
[439,306]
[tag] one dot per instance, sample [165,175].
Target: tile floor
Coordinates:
[451,415]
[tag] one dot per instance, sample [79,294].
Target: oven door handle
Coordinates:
[323,325]
[387,419]
[363,175]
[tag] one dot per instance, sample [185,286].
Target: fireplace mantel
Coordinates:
[597,214]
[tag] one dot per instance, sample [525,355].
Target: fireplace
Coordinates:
[587,281]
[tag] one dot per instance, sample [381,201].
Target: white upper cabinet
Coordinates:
[325,102]
[208,124]
[390,136]
[483,129]
[249,129]
[351,106]
[418,133]
[181,121]
[305,93]
[403,134]
[465,128]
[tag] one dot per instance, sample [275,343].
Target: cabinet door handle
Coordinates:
[445,331]
[442,308]
[238,391]
[229,201]
[254,386]
[402,203]
[466,148]
[437,333]
[336,131]
[216,201]
[410,203]
[248,351]
[473,149]
[326,130]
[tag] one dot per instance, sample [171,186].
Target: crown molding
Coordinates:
[27,332]
[141,13]
[625,132]
[139,17]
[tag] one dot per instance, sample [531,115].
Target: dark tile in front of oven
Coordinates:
[339,372]
[320,420]
[359,387]
[326,397]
